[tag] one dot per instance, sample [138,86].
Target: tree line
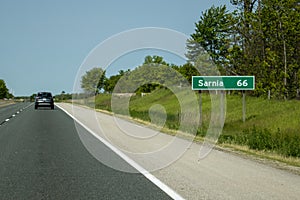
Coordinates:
[95,81]
[259,37]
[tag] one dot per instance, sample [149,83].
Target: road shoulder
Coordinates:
[220,175]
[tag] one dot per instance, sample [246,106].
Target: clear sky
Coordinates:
[43,42]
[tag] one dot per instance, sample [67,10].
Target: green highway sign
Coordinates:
[223,82]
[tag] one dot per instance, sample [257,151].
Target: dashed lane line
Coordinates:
[15,114]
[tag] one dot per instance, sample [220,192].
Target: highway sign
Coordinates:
[223,82]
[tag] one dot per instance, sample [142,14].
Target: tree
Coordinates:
[187,71]
[260,38]
[3,89]
[62,95]
[211,36]
[154,73]
[110,83]
[148,77]
[32,97]
[154,60]
[280,22]
[149,61]
[93,81]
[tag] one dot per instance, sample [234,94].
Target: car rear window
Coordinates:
[44,94]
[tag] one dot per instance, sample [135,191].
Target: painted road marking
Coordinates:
[135,165]
[6,120]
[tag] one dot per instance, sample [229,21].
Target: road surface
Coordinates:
[11,110]
[42,157]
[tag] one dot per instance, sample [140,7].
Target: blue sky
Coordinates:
[43,43]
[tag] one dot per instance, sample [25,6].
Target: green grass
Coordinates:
[103,101]
[262,113]
[271,125]
[139,107]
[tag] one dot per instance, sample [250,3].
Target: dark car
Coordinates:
[44,99]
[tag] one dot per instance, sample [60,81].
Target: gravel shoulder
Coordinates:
[220,175]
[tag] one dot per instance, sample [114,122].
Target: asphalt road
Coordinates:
[42,157]
[10,111]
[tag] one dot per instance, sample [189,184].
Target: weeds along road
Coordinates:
[42,157]
[220,175]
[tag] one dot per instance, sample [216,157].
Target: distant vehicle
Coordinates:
[43,99]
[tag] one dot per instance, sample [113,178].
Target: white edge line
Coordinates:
[139,168]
